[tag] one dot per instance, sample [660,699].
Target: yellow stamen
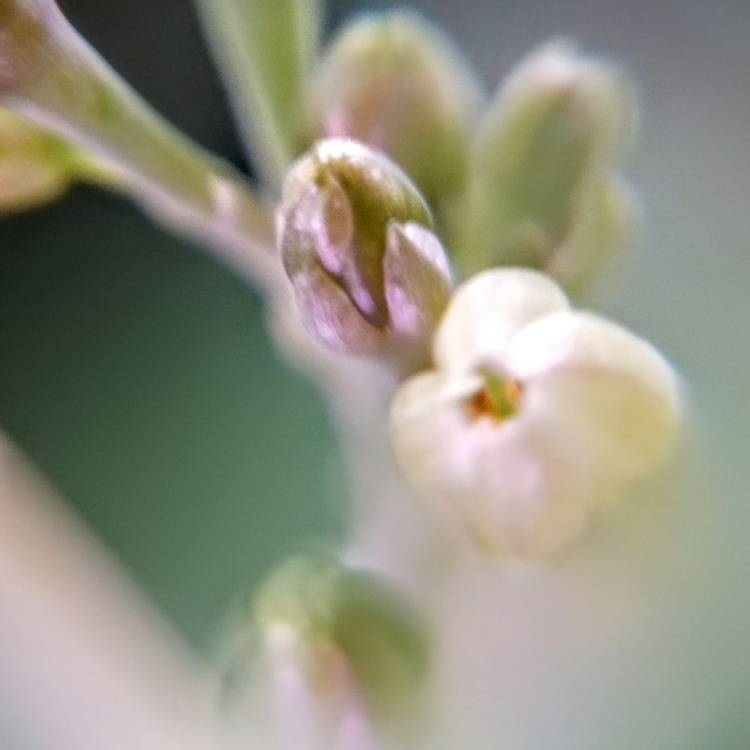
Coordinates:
[499,399]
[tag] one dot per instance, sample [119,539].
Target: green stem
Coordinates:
[265,50]
[66,87]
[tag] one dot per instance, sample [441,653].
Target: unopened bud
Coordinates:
[347,630]
[396,83]
[354,234]
[34,165]
[552,134]
[601,232]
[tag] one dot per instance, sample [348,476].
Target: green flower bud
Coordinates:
[354,234]
[395,82]
[600,233]
[551,136]
[34,165]
[326,610]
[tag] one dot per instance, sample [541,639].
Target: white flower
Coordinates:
[536,415]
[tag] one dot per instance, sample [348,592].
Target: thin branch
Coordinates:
[57,80]
[265,51]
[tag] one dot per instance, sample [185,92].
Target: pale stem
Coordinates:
[70,90]
[388,530]
[85,663]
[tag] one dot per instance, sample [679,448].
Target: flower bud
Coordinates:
[395,82]
[537,417]
[551,136]
[34,165]
[600,233]
[354,235]
[347,629]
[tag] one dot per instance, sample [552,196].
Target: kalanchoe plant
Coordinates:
[515,418]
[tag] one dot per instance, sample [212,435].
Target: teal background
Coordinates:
[137,375]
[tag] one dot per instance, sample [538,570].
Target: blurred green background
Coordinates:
[137,375]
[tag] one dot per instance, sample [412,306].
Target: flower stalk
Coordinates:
[59,82]
[265,51]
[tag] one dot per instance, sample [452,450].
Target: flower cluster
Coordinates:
[532,417]
[525,418]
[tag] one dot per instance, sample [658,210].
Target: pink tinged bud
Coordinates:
[329,314]
[354,234]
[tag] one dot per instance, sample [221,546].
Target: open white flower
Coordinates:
[536,415]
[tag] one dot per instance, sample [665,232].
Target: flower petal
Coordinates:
[532,497]
[329,314]
[517,487]
[432,436]
[417,277]
[486,312]
[610,392]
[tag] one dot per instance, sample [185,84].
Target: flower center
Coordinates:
[498,400]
